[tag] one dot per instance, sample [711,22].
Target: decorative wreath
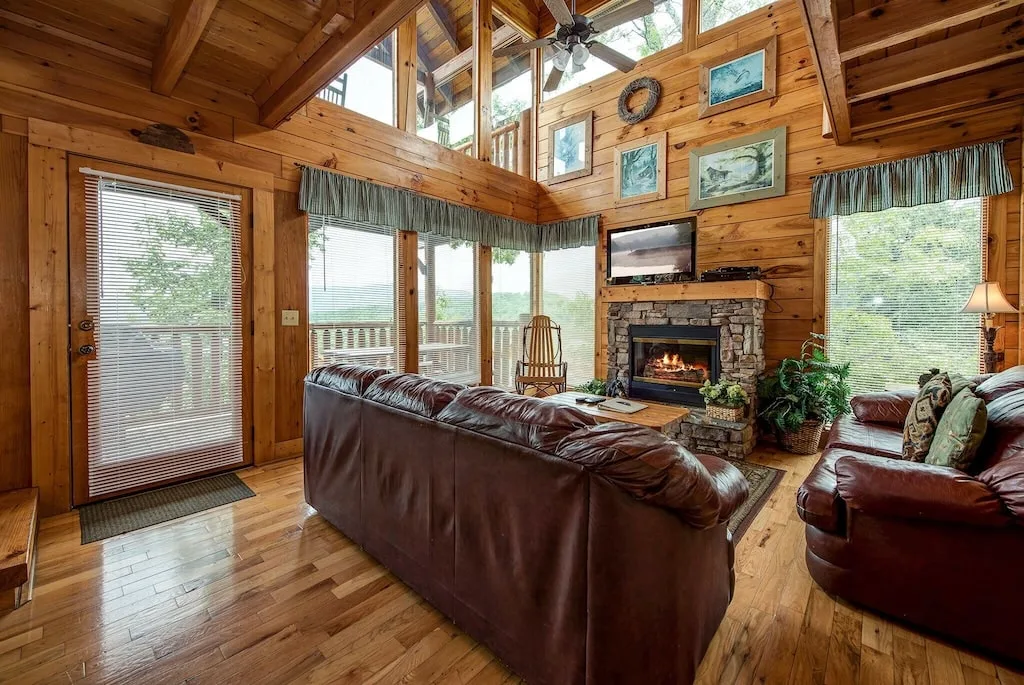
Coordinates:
[653,89]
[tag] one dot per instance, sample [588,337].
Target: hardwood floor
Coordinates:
[265,591]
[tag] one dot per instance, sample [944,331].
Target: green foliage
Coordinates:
[724,393]
[184,276]
[806,388]
[593,387]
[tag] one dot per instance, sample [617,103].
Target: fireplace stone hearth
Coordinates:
[740,349]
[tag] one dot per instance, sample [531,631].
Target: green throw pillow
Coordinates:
[923,419]
[959,432]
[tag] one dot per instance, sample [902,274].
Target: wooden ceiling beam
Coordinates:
[373,20]
[819,24]
[972,90]
[483,79]
[184,29]
[521,14]
[899,21]
[961,54]
[464,60]
[444,22]
[335,16]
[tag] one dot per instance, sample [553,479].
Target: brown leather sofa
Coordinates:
[932,546]
[578,553]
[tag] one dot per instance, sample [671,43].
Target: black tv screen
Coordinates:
[663,252]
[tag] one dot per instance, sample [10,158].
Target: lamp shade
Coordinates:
[988,298]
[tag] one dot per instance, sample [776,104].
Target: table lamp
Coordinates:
[988,299]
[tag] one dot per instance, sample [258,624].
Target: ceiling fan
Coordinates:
[573,42]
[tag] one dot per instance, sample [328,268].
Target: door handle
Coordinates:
[86,350]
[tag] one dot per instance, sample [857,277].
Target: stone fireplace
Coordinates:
[663,348]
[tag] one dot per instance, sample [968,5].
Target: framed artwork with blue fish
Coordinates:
[739,78]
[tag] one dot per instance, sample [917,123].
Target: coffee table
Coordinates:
[660,417]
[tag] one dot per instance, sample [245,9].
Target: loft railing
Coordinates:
[509,149]
[453,355]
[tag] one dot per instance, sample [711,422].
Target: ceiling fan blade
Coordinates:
[636,10]
[612,57]
[520,48]
[560,11]
[554,78]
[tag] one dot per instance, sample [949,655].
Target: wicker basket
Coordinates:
[804,441]
[734,414]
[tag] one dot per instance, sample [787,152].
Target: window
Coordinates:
[897,280]
[636,39]
[449,317]
[354,314]
[509,100]
[717,12]
[511,308]
[368,86]
[567,296]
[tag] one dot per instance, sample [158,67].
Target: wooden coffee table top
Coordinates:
[656,416]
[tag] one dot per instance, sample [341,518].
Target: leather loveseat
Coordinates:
[578,553]
[935,547]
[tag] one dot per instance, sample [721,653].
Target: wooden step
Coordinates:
[18,517]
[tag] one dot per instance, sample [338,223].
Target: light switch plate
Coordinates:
[289,317]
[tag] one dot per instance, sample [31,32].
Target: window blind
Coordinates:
[567,295]
[164,293]
[511,298]
[355,314]
[897,280]
[449,341]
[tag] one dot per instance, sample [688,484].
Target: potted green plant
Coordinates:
[725,400]
[804,394]
[595,386]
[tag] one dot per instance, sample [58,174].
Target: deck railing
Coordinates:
[507,145]
[452,362]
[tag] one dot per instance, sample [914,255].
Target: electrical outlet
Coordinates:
[289,317]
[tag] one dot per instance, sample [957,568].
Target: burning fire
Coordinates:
[673,363]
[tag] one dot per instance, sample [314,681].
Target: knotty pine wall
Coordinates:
[97,99]
[775,234]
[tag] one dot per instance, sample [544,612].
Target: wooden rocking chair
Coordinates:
[541,367]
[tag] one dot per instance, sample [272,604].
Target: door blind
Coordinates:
[897,280]
[568,292]
[164,295]
[356,315]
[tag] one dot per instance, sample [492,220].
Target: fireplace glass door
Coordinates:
[673,361]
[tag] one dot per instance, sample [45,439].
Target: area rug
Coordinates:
[763,481]
[107,519]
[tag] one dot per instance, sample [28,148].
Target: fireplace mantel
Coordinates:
[680,292]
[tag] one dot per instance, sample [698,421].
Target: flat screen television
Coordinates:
[664,252]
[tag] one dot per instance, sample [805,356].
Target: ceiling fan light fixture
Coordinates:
[561,59]
[580,53]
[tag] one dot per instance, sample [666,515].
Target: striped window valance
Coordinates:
[958,174]
[331,194]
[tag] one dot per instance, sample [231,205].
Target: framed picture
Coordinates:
[571,148]
[739,170]
[641,170]
[739,78]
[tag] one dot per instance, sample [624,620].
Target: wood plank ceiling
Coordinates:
[275,54]
[886,65]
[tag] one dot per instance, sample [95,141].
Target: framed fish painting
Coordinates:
[739,78]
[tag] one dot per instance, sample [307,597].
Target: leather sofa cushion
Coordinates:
[1001,384]
[526,421]
[1006,479]
[870,438]
[1004,435]
[349,379]
[413,393]
[817,501]
[654,469]
[890,408]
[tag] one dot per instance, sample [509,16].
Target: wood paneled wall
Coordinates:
[775,234]
[57,96]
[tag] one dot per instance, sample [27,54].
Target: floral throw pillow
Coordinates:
[923,419]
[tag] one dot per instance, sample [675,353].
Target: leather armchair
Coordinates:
[934,547]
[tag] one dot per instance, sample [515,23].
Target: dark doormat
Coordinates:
[107,519]
[763,481]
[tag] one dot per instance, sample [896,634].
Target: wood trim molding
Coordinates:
[485,312]
[264,326]
[819,304]
[409,279]
[483,77]
[184,29]
[48,327]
